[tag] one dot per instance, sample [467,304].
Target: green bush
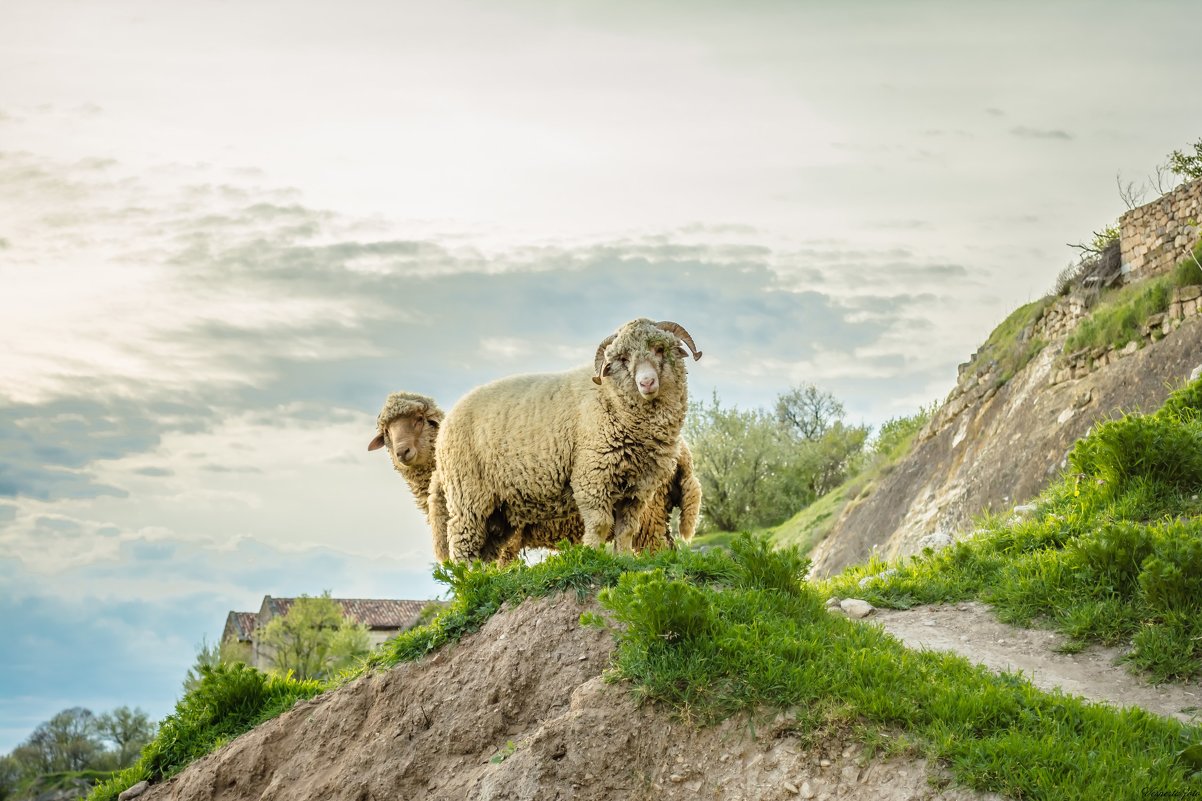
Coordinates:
[1161,450]
[1171,579]
[658,612]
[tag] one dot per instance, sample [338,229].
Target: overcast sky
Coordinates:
[228,230]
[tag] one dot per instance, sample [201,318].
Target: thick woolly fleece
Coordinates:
[654,533]
[537,448]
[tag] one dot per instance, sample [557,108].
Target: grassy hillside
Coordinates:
[1113,553]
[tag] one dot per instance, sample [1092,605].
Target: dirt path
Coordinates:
[970,629]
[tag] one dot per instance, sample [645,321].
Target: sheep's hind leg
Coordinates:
[626,520]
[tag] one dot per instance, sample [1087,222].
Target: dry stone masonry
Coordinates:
[1157,235]
[1184,303]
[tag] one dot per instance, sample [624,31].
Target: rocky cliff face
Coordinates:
[990,447]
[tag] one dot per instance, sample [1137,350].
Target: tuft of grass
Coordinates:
[1120,315]
[1113,553]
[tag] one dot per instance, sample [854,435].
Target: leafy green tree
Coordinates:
[757,468]
[129,730]
[748,467]
[1187,165]
[207,655]
[313,640]
[832,458]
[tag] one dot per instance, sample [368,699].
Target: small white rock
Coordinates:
[854,607]
[676,778]
[790,788]
[134,791]
[824,763]
[807,791]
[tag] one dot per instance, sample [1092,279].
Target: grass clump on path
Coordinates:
[1113,553]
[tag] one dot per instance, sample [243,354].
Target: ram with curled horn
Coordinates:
[540,448]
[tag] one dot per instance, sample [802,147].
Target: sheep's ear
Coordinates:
[681,352]
[376,443]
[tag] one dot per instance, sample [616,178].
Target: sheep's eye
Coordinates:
[659,350]
[432,423]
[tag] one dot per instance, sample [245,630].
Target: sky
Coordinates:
[229,230]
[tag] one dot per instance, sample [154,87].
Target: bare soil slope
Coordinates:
[520,711]
[1001,451]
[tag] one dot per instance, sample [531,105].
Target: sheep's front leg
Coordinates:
[598,524]
[465,535]
[436,514]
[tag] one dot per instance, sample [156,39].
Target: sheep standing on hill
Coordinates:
[407,426]
[539,448]
[654,533]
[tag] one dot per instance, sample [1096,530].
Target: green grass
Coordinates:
[811,525]
[1113,553]
[1121,313]
[231,700]
[1005,344]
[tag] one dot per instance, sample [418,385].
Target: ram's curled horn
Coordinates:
[598,360]
[678,330]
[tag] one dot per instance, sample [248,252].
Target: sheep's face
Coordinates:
[642,367]
[410,440]
[643,357]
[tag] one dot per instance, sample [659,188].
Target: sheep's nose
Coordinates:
[406,456]
[648,383]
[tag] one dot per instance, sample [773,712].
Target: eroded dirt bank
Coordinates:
[520,711]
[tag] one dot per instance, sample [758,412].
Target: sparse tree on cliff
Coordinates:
[1187,165]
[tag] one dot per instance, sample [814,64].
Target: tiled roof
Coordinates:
[240,625]
[375,613]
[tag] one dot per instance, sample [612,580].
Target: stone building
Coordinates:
[383,617]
